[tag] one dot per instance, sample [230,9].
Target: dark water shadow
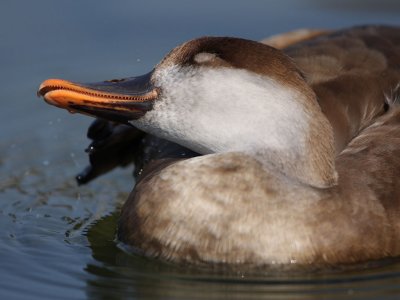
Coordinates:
[120,275]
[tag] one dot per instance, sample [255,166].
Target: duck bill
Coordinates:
[120,100]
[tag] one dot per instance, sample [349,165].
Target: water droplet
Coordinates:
[90,149]
[45,163]
[138,60]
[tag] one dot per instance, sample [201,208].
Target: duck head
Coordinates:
[218,94]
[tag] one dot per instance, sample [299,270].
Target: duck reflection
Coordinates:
[115,274]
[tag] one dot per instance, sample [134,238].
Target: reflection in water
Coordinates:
[119,275]
[43,216]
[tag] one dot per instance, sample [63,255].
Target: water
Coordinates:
[57,239]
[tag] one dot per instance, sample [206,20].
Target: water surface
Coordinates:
[57,239]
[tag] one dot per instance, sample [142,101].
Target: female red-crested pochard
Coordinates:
[300,149]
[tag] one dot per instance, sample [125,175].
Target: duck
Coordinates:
[293,151]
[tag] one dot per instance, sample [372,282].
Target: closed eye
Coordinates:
[204,57]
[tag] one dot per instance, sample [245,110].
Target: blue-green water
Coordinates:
[57,239]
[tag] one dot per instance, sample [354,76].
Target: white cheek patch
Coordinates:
[222,109]
[204,57]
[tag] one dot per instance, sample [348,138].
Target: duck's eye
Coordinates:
[204,57]
[115,80]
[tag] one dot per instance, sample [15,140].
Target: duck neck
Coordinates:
[314,169]
[306,148]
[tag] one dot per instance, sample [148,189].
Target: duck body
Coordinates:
[234,217]
[299,164]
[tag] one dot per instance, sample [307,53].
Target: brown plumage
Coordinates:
[354,73]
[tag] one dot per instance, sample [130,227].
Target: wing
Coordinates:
[354,72]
